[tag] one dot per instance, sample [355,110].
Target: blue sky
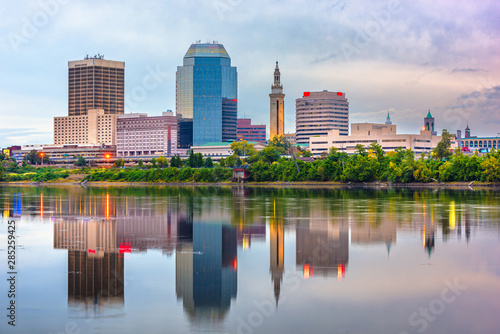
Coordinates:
[402,56]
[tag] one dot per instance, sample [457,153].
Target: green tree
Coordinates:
[176,161]
[269,154]
[119,163]
[307,153]
[243,148]
[162,162]
[442,150]
[32,157]
[81,162]
[280,141]
[2,172]
[238,162]
[230,161]
[209,163]
[140,163]
[222,162]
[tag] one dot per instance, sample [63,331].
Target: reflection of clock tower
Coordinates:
[277,267]
[277,105]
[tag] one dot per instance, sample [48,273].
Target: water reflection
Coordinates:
[204,229]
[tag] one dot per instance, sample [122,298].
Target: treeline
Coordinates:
[168,174]
[268,165]
[400,166]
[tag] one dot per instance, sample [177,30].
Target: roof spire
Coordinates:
[388,120]
[429,114]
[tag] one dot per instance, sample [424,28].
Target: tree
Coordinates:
[119,163]
[269,154]
[195,159]
[307,154]
[162,162]
[140,163]
[81,162]
[442,150]
[238,162]
[280,141]
[222,162]
[230,161]
[243,148]
[2,172]
[32,157]
[176,161]
[209,163]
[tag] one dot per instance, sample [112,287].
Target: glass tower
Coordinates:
[207,92]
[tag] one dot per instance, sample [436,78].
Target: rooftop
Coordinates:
[207,50]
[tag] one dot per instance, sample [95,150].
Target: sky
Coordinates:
[405,57]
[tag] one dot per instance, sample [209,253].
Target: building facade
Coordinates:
[277,106]
[319,112]
[66,153]
[138,135]
[384,134]
[250,132]
[92,128]
[96,83]
[207,93]
[475,143]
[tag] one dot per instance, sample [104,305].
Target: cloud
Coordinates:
[423,55]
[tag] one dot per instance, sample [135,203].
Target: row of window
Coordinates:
[482,143]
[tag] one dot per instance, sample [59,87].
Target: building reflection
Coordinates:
[95,265]
[369,232]
[206,270]
[322,246]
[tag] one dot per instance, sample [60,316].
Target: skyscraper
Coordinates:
[277,105]
[206,94]
[96,83]
[319,112]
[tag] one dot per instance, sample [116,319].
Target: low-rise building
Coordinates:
[140,135]
[221,149]
[67,153]
[250,132]
[384,134]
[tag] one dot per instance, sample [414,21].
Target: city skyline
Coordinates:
[400,57]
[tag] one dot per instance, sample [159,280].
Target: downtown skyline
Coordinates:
[392,56]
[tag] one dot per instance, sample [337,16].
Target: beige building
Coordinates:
[96,83]
[277,105]
[94,128]
[384,134]
[319,112]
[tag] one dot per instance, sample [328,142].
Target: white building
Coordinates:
[384,134]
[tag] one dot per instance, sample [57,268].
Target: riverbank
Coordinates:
[371,185]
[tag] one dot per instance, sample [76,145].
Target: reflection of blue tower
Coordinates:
[214,270]
[206,277]
[17,205]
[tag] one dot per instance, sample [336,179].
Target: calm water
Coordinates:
[229,260]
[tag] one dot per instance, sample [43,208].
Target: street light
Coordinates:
[41,156]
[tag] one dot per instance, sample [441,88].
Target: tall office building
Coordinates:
[319,112]
[96,83]
[277,105]
[206,94]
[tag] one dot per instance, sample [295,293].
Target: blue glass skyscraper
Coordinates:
[207,93]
